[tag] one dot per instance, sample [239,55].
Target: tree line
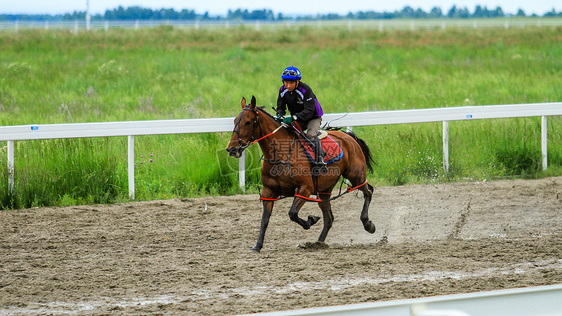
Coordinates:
[140,13]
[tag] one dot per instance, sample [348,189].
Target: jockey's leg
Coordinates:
[312,134]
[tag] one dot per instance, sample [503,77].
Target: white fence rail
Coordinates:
[381,25]
[532,301]
[159,127]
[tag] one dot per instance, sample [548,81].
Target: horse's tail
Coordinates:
[365,149]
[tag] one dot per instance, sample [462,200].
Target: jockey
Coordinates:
[298,97]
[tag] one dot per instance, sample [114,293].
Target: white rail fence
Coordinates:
[381,25]
[531,301]
[182,126]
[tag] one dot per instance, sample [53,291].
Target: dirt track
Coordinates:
[191,256]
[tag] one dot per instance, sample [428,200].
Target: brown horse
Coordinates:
[287,172]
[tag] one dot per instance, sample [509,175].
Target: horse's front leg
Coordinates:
[267,209]
[326,208]
[294,214]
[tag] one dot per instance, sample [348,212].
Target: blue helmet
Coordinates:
[291,73]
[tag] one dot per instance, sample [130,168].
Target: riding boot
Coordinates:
[319,154]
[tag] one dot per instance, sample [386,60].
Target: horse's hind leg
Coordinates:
[367,195]
[326,208]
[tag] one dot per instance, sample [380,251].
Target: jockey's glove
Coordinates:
[288,120]
[279,118]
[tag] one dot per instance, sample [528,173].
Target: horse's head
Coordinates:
[245,128]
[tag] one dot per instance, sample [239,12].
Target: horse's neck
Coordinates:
[277,143]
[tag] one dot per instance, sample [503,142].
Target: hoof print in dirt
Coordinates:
[313,245]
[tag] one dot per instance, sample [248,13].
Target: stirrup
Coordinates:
[320,161]
[320,167]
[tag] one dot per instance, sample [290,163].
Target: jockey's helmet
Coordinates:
[291,73]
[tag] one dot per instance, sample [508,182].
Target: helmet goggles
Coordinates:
[288,72]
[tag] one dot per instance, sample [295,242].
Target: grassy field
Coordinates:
[170,73]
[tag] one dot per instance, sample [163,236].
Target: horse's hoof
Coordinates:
[370,227]
[255,250]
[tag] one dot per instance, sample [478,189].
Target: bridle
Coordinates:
[237,129]
[256,123]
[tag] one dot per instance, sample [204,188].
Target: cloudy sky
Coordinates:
[304,7]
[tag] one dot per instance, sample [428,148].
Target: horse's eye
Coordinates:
[247,123]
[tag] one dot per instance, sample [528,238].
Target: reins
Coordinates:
[256,123]
[274,131]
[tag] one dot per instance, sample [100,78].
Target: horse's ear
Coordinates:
[253,102]
[243,102]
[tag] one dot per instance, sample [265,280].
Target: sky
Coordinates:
[303,7]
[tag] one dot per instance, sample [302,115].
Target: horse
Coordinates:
[284,172]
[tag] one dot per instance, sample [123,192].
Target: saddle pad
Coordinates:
[329,146]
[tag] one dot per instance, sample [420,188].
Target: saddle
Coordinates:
[331,148]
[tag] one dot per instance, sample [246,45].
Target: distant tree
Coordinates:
[478,12]
[464,13]
[498,12]
[452,12]
[457,13]
[330,16]
[436,13]
[521,13]
[550,14]
[407,12]
[374,15]
[187,14]
[76,15]
[420,14]
[254,15]
[360,15]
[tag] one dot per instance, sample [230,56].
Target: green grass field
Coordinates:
[170,73]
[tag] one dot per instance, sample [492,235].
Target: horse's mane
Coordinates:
[262,109]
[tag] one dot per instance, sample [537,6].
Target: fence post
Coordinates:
[17,26]
[446,146]
[131,166]
[242,170]
[544,140]
[11,167]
